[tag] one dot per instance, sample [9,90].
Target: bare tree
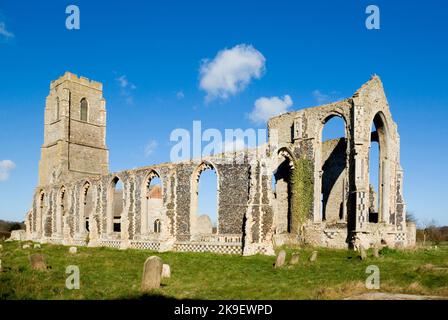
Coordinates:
[429,231]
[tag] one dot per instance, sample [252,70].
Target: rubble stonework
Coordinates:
[76,201]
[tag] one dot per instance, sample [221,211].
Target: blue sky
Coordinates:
[148,55]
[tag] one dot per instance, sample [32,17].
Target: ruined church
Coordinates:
[295,189]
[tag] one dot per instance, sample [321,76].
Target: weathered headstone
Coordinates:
[73,250]
[313,257]
[1,247]
[376,251]
[26,246]
[294,259]
[152,274]
[166,271]
[37,262]
[36,246]
[363,254]
[204,225]
[281,257]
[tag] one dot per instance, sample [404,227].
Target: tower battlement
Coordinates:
[68,76]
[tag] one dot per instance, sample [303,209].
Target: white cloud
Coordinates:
[180,95]
[5,168]
[151,147]
[231,71]
[5,33]
[266,108]
[125,88]
[322,98]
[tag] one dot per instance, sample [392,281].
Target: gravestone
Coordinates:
[166,271]
[294,259]
[204,225]
[1,247]
[37,262]
[152,273]
[73,250]
[363,254]
[313,257]
[26,246]
[376,251]
[281,257]
[36,246]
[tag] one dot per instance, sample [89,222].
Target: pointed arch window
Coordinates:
[57,109]
[84,109]
[157,226]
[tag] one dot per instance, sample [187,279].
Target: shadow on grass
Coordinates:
[152,297]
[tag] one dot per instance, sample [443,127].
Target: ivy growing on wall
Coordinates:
[302,192]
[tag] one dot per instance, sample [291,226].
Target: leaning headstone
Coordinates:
[281,257]
[363,254]
[313,257]
[73,250]
[37,262]
[166,271]
[36,246]
[26,246]
[294,259]
[376,251]
[152,273]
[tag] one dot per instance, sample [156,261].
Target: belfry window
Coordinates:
[84,110]
[57,109]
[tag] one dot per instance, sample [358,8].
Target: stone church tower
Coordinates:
[75,131]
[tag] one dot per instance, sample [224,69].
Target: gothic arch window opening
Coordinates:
[84,110]
[204,212]
[333,154]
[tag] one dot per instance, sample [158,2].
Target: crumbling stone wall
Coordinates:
[301,131]
[252,217]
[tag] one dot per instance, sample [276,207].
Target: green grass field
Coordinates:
[115,274]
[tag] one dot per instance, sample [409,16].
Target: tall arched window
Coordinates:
[84,109]
[204,201]
[282,192]
[61,210]
[86,208]
[152,201]
[57,109]
[379,179]
[334,178]
[157,226]
[41,213]
[115,205]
